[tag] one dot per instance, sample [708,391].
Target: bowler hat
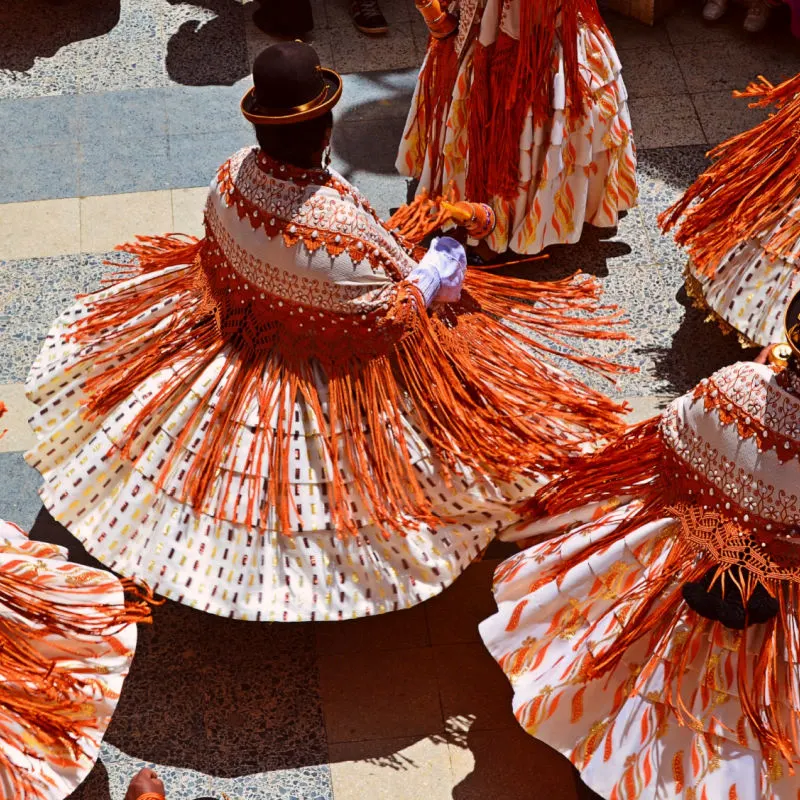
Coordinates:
[290,86]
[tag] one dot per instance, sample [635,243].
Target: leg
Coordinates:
[367,16]
[289,19]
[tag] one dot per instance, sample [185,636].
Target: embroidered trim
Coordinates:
[714,481]
[266,277]
[759,410]
[284,208]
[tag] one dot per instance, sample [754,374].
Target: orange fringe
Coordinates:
[38,695]
[509,78]
[632,466]
[483,399]
[750,189]
[436,82]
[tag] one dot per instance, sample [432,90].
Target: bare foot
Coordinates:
[144,781]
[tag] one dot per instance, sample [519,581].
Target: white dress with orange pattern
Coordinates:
[268,423]
[740,221]
[66,644]
[609,663]
[537,125]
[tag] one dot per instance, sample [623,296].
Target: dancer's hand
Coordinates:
[441,272]
[145,781]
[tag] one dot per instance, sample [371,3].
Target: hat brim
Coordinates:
[316,108]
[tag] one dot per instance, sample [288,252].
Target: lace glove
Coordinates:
[441,272]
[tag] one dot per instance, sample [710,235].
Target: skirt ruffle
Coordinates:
[219,557]
[570,173]
[638,732]
[749,291]
[66,644]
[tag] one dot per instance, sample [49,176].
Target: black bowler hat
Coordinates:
[290,85]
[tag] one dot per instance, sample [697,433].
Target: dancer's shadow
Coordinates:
[698,348]
[213,52]
[31,29]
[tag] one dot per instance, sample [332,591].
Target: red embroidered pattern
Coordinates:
[266,277]
[261,321]
[758,409]
[282,206]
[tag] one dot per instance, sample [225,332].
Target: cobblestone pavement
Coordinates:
[114,115]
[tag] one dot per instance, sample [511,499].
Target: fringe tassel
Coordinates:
[467,371]
[436,82]
[749,190]
[630,466]
[39,696]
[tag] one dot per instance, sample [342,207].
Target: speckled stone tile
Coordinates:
[722,115]
[223,34]
[665,121]
[353,52]
[206,109]
[111,775]
[141,113]
[38,173]
[729,65]
[630,33]
[649,71]
[124,163]
[19,499]
[376,96]
[33,292]
[395,11]
[39,121]
[195,157]
[37,54]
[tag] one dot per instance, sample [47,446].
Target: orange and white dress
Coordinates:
[67,639]
[609,663]
[525,108]
[740,221]
[269,424]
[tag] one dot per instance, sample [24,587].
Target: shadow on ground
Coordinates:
[698,349]
[231,698]
[31,29]
[211,53]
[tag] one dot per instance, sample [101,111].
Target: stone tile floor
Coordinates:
[114,114]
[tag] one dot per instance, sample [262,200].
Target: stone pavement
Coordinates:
[112,114]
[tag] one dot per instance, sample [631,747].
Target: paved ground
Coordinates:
[112,113]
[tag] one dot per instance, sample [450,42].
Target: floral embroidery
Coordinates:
[759,409]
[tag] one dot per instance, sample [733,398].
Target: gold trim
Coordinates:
[325,100]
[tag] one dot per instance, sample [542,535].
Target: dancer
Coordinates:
[67,638]
[654,639]
[520,104]
[740,221]
[292,419]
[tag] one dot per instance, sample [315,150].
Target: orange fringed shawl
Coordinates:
[40,697]
[475,375]
[639,469]
[509,78]
[752,188]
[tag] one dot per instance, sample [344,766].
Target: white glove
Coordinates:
[441,272]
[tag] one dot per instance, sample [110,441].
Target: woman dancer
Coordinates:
[740,221]
[300,417]
[654,640]
[520,104]
[67,638]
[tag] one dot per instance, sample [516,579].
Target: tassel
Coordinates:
[434,92]
[41,696]
[454,366]
[630,466]
[750,190]
[426,215]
